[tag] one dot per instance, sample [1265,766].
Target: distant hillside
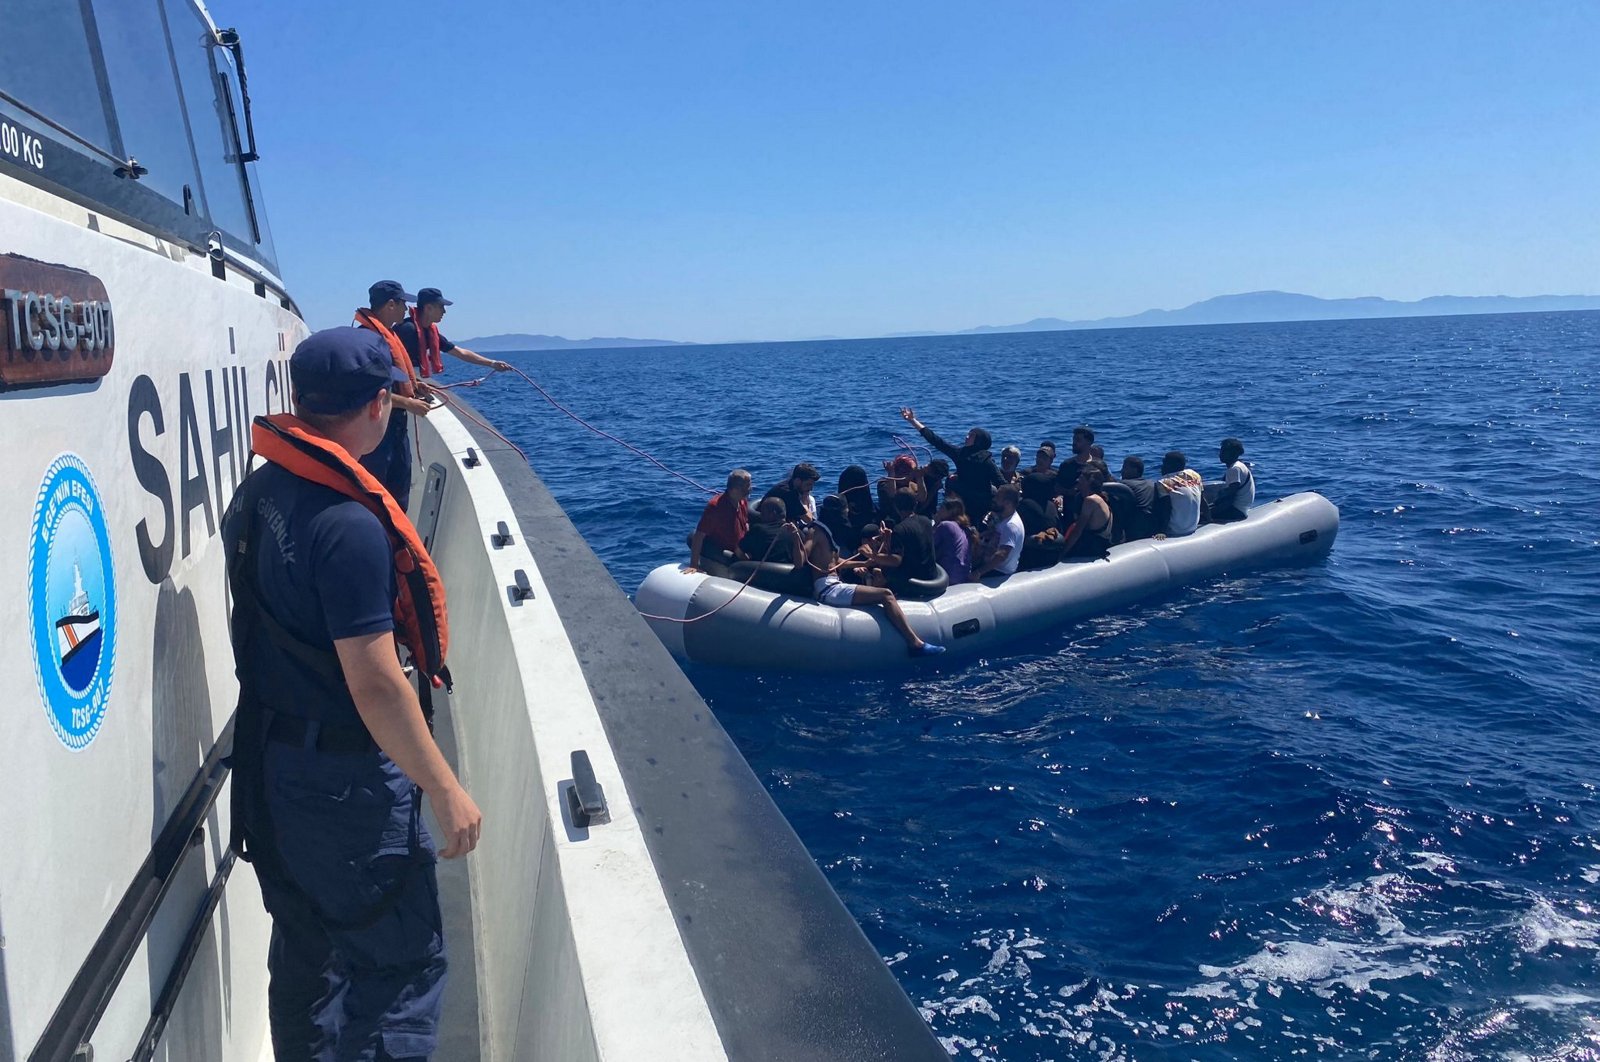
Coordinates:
[524,341]
[1262,306]
[1248,308]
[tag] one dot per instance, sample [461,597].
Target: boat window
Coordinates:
[145,90]
[87,87]
[205,75]
[48,59]
[268,250]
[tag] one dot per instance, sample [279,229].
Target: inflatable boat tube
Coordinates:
[746,627]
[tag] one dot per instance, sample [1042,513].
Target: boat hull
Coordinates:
[711,620]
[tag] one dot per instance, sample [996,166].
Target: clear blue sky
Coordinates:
[754,170]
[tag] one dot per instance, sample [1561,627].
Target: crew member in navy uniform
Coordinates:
[332,751]
[391,460]
[420,333]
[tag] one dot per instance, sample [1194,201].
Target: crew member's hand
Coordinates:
[690,569]
[907,415]
[459,820]
[501,366]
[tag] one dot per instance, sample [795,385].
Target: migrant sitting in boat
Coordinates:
[1232,498]
[823,562]
[1180,497]
[725,520]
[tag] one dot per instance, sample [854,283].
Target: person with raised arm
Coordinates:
[976,475]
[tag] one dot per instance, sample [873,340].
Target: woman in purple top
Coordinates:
[953,541]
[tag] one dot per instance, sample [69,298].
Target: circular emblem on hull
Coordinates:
[72,593]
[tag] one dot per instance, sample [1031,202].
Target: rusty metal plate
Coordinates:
[55,324]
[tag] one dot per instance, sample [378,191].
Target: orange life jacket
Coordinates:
[365,318]
[427,344]
[421,623]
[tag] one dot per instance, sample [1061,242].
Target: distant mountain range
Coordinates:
[1253,307]
[1264,306]
[525,341]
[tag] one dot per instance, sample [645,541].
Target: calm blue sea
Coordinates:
[1345,811]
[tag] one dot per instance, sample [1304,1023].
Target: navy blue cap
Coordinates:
[427,295]
[385,290]
[340,369]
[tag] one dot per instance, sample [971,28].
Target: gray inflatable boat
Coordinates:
[746,627]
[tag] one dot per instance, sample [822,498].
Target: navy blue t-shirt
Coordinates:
[324,571]
[390,460]
[407,331]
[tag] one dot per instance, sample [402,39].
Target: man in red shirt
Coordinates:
[725,520]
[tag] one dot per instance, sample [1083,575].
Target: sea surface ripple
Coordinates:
[1346,811]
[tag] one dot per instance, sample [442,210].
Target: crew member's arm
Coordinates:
[472,357]
[388,706]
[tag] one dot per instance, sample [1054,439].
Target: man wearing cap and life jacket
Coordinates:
[391,461]
[332,752]
[423,341]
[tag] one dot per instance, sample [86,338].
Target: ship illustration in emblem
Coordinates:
[78,636]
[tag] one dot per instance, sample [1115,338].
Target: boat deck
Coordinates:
[460,1030]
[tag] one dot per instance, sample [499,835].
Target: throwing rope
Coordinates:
[549,398]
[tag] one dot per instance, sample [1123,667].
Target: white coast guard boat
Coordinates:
[637,895]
